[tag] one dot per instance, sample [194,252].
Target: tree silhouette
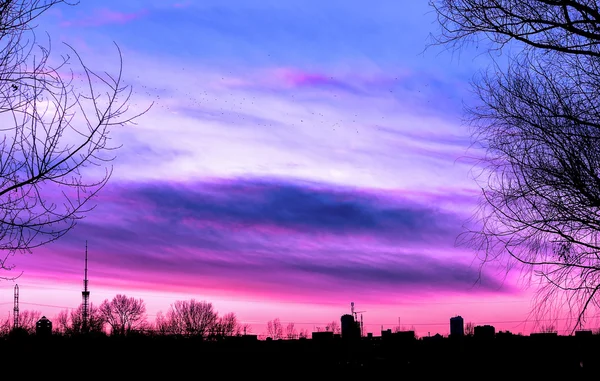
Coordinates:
[124,314]
[71,323]
[62,322]
[537,126]
[548,329]
[54,148]
[275,329]
[290,331]
[469,329]
[227,325]
[28,320]
[161,324]
[303,334]
[403,328]
[190,318]
[5,326]
[245,329]
[333,326]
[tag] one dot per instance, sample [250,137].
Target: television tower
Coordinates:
[85,295]
[16,309]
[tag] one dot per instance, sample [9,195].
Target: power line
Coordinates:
[47,305]
[417,324]
[403,303]
[40,305]
[327,322]
[314,323]
[226,298]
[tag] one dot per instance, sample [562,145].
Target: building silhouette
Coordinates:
[457,326]
[399,336]
[350,328]
[484,332]
[43,327]
[322,336]
[584,333]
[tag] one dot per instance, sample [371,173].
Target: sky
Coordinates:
[298,156]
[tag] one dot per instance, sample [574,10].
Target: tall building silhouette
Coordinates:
[350,328]
[457,326]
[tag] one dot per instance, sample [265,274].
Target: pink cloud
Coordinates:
[183,4]
[282,239]
[280,78]
[257,304]
[295,78]
[301,78]
[264,244]
[105,16]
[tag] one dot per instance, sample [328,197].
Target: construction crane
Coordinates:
[355,314]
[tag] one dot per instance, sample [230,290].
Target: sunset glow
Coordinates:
[298,156]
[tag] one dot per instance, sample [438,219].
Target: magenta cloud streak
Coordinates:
[280,239]
[296,78]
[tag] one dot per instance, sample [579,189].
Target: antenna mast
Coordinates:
[85,295]
[16,309]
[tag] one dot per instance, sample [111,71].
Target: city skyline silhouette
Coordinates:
[283,162]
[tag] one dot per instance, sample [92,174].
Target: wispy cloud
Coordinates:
[280,121]
[289,239]
[293,151]
[295,78]
[104,16]
[182,4]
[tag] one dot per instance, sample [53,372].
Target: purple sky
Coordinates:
[298,157]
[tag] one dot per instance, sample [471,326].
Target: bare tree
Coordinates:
[162,325]
[303,334]
[290,331]
[538,126]
[227,325]
[71,322]
[191,318]
[55,132]
[5,326]
[62,322]
[334,326]
[124,314]
[569,27]
[28,320]
[548,329]
[246,329]
[469,329]
[95,322]
[403,328]
[275,329]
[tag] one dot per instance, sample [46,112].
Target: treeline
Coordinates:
[124,315]
[276,330]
